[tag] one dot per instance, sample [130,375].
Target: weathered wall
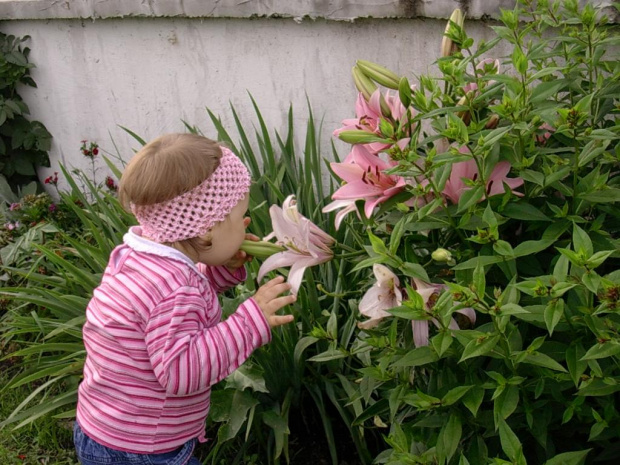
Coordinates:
[147,65]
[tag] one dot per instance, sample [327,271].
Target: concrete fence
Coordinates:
[150,65]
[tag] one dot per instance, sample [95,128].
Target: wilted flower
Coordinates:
[15,206]
[52,208]
[544,137]
[429,294]
[306,244]
[382,296]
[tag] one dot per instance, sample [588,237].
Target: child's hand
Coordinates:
[267,299]
[241,258]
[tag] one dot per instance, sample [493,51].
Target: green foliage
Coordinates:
[23,143]
[536,378]
[50,277]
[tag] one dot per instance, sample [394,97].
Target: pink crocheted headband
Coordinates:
[195,212]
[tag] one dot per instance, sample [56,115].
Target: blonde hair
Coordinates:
[167,167]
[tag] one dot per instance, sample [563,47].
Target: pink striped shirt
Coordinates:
[155,345]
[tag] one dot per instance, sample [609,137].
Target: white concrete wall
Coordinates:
[155,67]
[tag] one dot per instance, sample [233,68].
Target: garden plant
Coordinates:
[469,312]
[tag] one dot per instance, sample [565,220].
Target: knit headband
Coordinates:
[195,212]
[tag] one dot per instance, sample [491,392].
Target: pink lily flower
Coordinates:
[306,244]
[382,296]
[369,116]
[345,207]
[365,179]
[429,293]
[455,186]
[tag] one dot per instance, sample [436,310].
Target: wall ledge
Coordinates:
[335,10]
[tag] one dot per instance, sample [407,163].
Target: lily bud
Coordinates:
[261,249]
[363,83]
[493,122]
[354,136]
[367,88]
[441,255]
[448,47]
[379,74]
[464,115]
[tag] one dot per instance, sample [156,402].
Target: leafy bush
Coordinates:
[23,143]
[490,194]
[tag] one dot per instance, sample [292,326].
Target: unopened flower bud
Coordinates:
[448,47]
[493,122]
[441,255]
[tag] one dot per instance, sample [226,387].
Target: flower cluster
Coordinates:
[111,184]
[52,180]
[90,150]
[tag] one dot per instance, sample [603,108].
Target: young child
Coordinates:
[153,336]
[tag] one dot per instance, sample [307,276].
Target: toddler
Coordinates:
[153,336]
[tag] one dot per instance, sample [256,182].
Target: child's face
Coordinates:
[227,235]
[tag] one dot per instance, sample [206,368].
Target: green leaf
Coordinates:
[524,211]
[449,437]
[602,350]
[330,354]
[581,241]
[279,424]
[512,309]
[247,376]
[505,404]
[576,366]
[414,270]
[591,280]
[454,394]
[479,346]
[545,90]
[417,357]
[543,360]
[608,195]
[503,248]
[479,281]
[569,458]
[442,342]
[473,399]
[397,233]
[599,388]
[470,197]
[378,246]
[553,313]
[509,440]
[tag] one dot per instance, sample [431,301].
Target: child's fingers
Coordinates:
[252,237]
[279,320]
[246,221]
[272,282]
[276,304]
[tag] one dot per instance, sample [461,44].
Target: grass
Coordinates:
[46,441]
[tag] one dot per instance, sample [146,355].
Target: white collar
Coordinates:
[134,239]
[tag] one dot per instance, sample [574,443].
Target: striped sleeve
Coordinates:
[221,278]
[188,357]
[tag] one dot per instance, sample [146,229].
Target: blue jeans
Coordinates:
[90,452]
